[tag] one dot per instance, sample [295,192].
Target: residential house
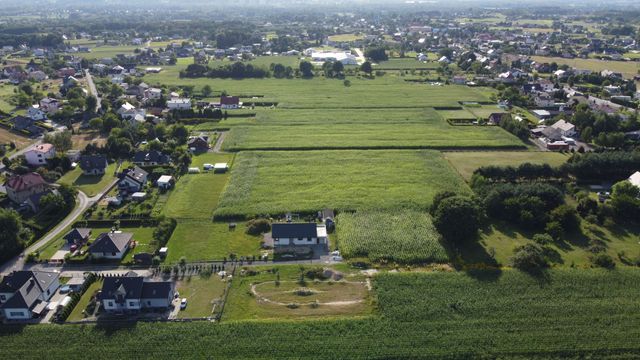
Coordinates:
[543,100]
[33,201]
[20,187]
[36,113]
[112,245]
[286,234]
[39,154]
[133,179]
[24,294]
[131,294]
[566,129]
[78,236]
[131,113]
[230,102]
[49,105]
[26,124]
[198,144]
[38,75]
[93,164]
[150,158]
[179,104]
[66,72]
[153,93]
[137,90]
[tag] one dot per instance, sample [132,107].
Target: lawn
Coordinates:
[628,68]
[345,37]
[359,129]
[321,93]
[195,196]
[204,295]
[277,182]
[502,238]
[457,114]
[406,64]
[483,111]
[76,313]
[6,94]
[89,184]
[206,240]
[402,237]
[7,136]
[466,162]
[566,313]
[259,296]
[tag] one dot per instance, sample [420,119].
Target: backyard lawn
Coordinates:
[76,313]
[89,184]
[204,295]
[206,240]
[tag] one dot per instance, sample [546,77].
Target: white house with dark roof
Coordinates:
[93,164]
[112,245]
[132,294]
[24,294]
[133,179]
[286,234]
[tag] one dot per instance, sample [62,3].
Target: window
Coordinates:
[149,303]
[113,254]
[16,313]
[3,297]
[132,303]
[110,302]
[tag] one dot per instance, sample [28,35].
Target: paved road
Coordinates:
[92,89]
[21,152]
[83,203]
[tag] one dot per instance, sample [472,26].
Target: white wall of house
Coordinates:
[112,256]
[156,303]
[36,158]
[17,314]
[295,241]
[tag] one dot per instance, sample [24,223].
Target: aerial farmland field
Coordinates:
[279,181]
[359,128]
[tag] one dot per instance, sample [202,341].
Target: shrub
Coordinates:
[603,260]
[554,228]
[542,239]
[258,226]
[529,257]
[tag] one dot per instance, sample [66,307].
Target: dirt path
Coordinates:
[330,303]
[218,145]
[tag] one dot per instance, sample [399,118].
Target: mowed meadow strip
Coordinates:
[567,314]
[275,182]
[384,92]
[404,236]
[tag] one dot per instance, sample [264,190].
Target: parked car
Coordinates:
[183,304]
[207,167]
[65,289]
[336,258]
[335,253]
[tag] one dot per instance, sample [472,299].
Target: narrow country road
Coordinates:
[83,203]
[92,89]
[21,152]
[217,147]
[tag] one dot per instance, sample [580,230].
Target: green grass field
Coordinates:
[628,69]
[508,315]
[200,292]
[335,129]
[320,93]
[243,302]
[196,195]
[406,64]
[466,162]
[88,184]
[277,182]
[403,237]
[206,240]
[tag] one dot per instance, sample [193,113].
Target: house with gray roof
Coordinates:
[93,164]
[132,294]
[24,294]
[112,245]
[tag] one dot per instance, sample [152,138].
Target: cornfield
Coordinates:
[406,236]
